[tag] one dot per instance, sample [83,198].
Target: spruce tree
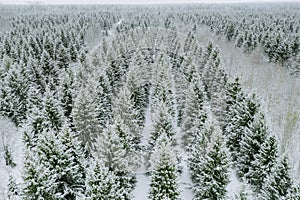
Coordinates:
[124,109]
[209,165]
[112,152]
[13,189]
[163,171]
[195,112]
[237,125]
[263,163]
[162,124]
[54,168]
[104,101]
[102,183]
[279,183]
[255,135]
[85,116]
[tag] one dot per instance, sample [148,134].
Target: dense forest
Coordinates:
[132,102]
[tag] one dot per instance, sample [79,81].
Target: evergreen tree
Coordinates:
[104,101]
[162,87]
[163,171]
[279,183]
[85,116]
[195,112]
[263,163]
[44,114]
[13,95]
[139,91]
[101,183]
[162,124]
[209,165]
[112,153]
[54,168]
[235,131]
[13,190]
[124,109]
[255,135]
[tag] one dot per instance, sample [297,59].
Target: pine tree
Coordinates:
[250,145]
[85,116]
[13,93]
[101,183]
[244,114]
[209,165]
[111,151]
[104,101]
[263,163]
[13,190]
[163,171]
[279,183]
[162,87]
[124,109]
[44,115]
[234,95]
[139,91]
[195,112]
[54,168]
[162,124]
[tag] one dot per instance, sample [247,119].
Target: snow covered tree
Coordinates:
[54,168]
[233,96]
[195,112]
[235,131]
[209,165]
[13,94]
[102,183]
[162,124]
[13,189]
[205,56]
[164,175]
[85,116]
[263,163]
[8,157]
[279,183]
[162,86]
[43,116]
[112,152]
[104,100]
[136,82]
[255,135]
[124,109]
[66,90]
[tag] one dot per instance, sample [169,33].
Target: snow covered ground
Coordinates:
[11,136]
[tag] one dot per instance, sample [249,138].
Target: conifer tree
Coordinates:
[209,165]
[263,163]
[235,131]
[136,82]
[195,112]
[250,145]
[279,183]
[162,87]
[85,116]
[13,189]
[124,109]
[54,168]
[163,171]
[111,151]
[162,124]
[104,101]
[101,183]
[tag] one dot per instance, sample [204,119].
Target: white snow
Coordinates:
[11,136]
